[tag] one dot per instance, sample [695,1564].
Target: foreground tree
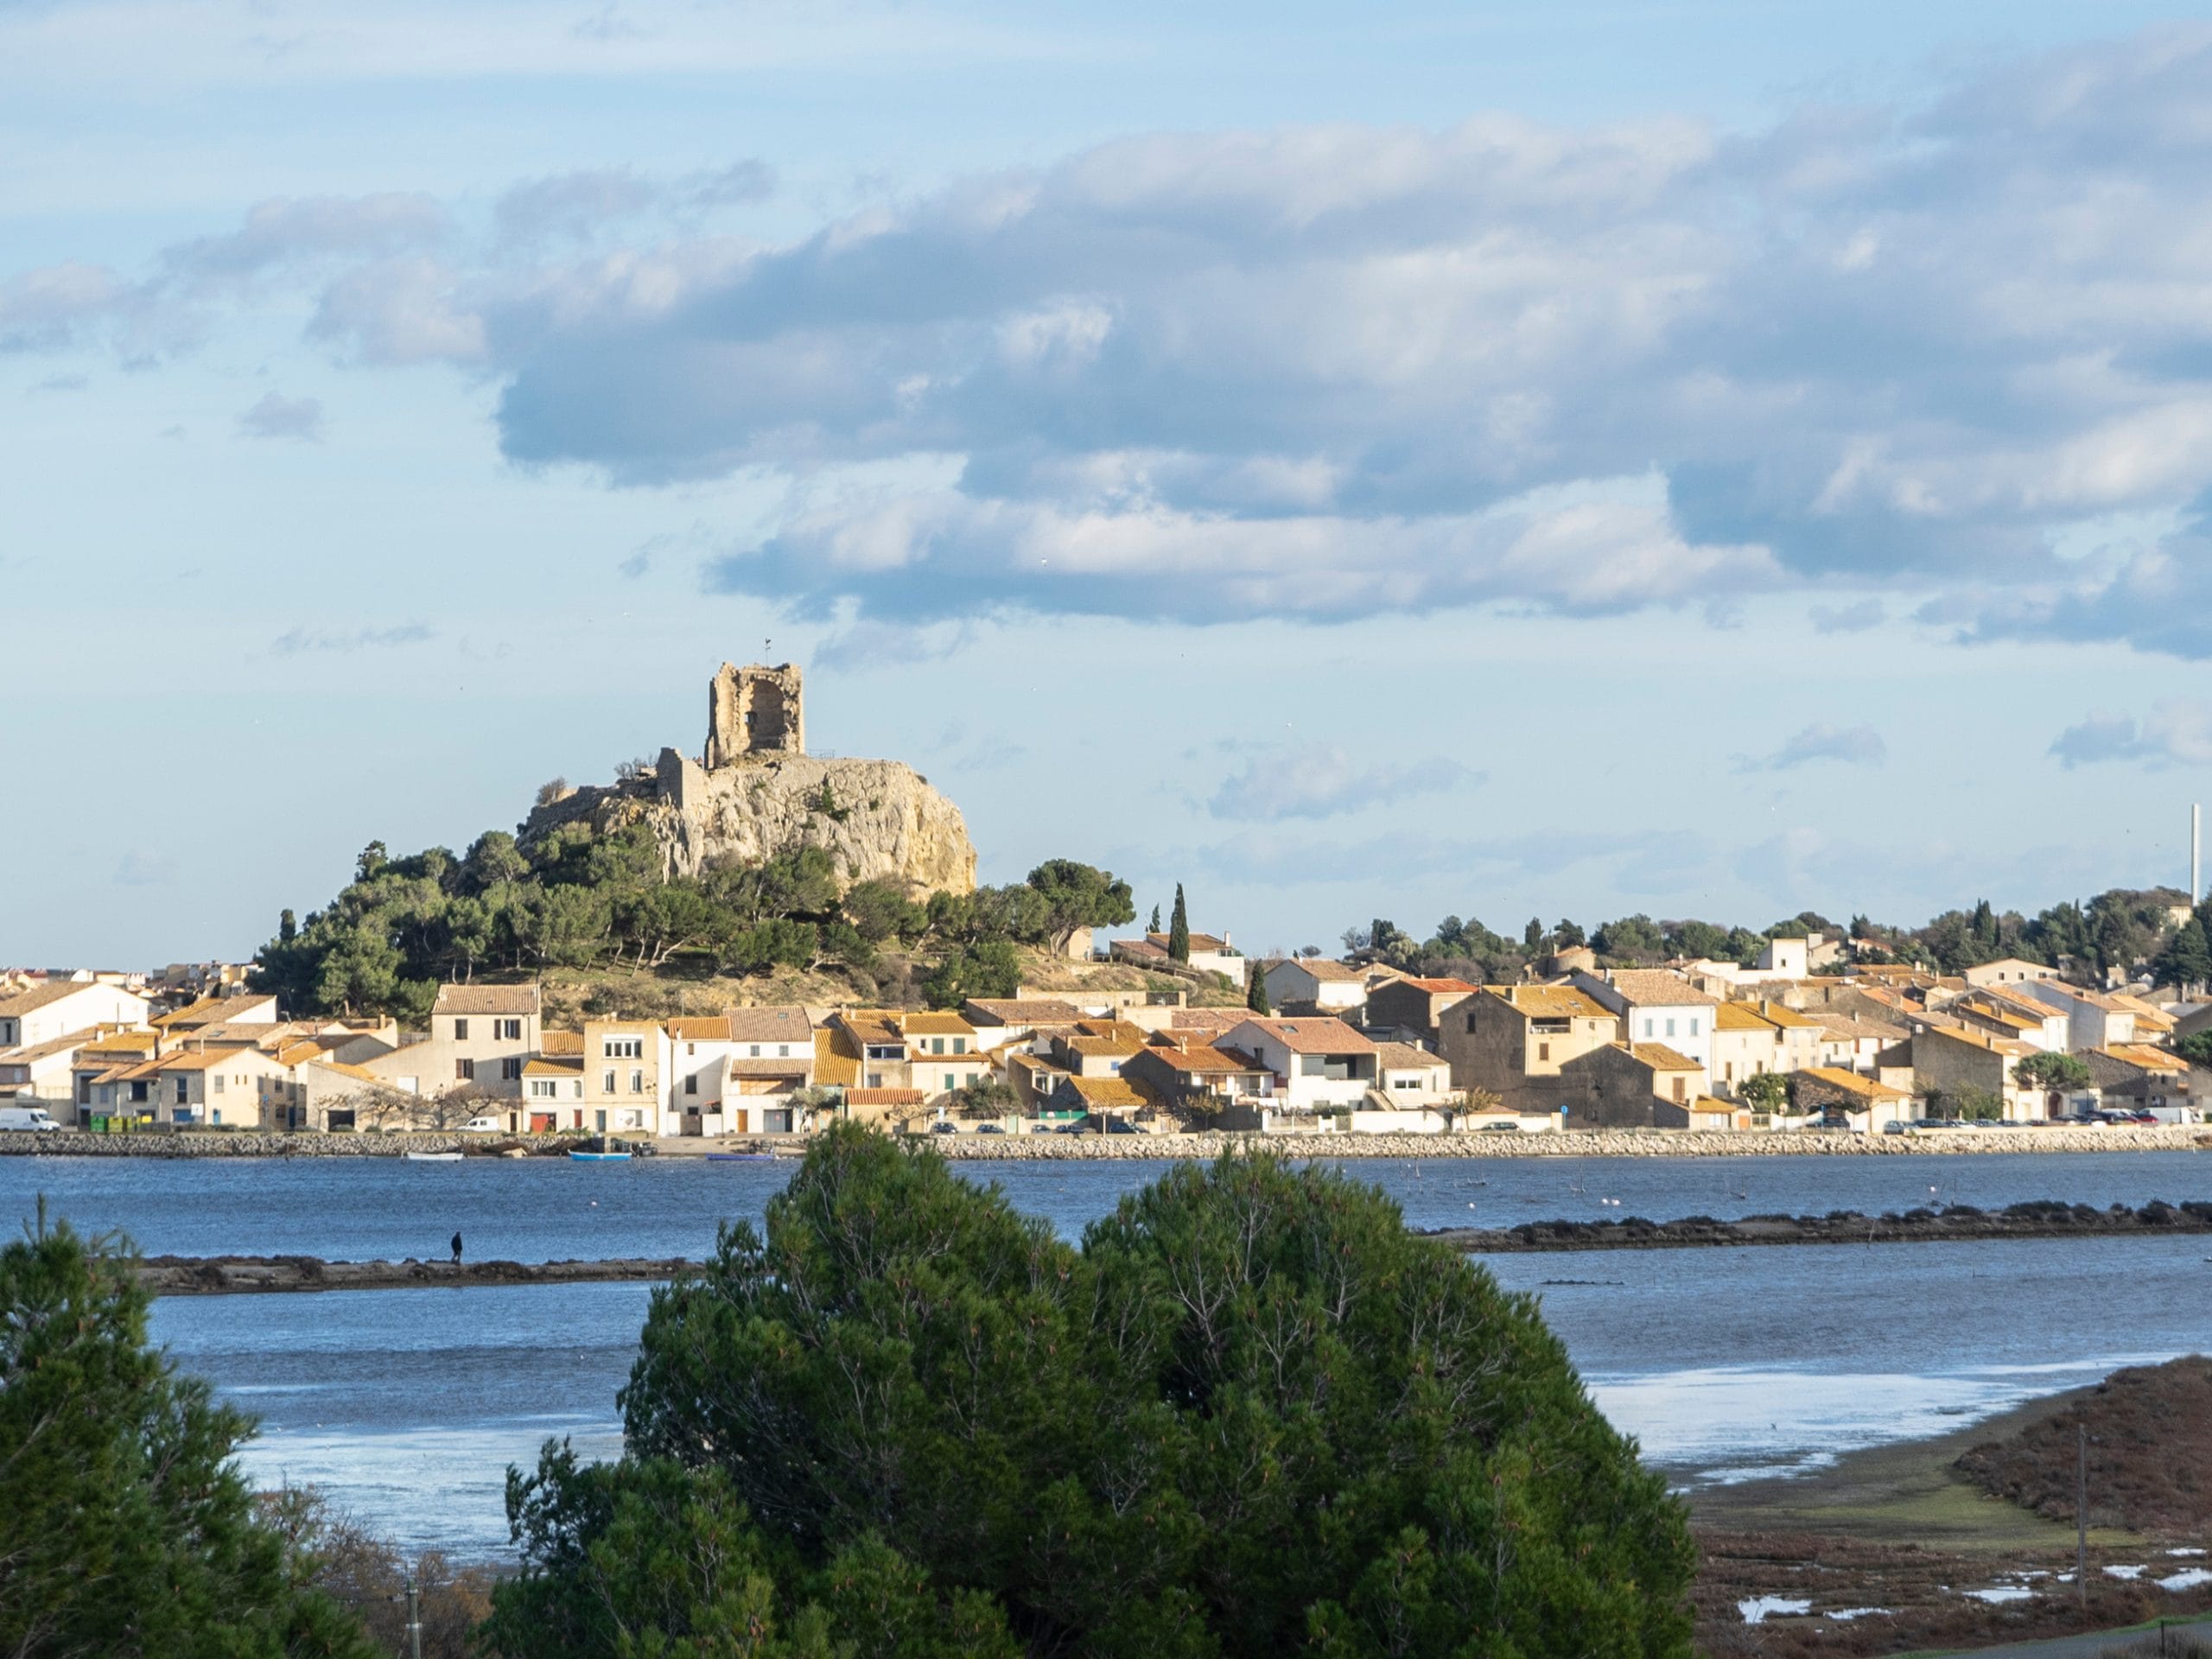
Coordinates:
[125,1531]
[1251,1416]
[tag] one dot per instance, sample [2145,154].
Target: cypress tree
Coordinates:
[1179,930]
[1153,926]
[1255,994]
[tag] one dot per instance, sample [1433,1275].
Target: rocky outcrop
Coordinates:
[878,819]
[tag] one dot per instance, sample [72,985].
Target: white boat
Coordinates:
[431,1157]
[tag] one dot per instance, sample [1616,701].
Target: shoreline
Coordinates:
[251,1275]
[1959,1224]
[1204,1145]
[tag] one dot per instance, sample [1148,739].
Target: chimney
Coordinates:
[2196,843]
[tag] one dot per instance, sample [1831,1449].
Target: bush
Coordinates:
[1251,1414]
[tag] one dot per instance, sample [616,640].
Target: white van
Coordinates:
[27,1117]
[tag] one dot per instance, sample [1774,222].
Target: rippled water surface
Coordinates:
[408,1405]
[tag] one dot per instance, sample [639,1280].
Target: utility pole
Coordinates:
[414,1617]
[2080,1513]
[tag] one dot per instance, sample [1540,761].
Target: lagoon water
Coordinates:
[407,1406]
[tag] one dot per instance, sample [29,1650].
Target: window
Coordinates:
[508,1031]
[783,1051]
[1543,1051]
[951,1082]
[1678,1090]
[1693,1024]
[1470,1025]
[755,1053]
[875,1079]
[183,1093]
[623,1048]
[691,1084]
[465,1071]
[138,1091]
[1647,1027]
[1670,1027]
[511,1068]
[218,1083]
[461,1031]
[936,1045]
[542,1088]
[607,1081]
[960,1044]
[637,1081]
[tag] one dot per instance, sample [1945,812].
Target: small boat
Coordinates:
[601,1157]
[431,1157]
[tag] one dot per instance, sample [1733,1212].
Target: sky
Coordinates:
[1497,459]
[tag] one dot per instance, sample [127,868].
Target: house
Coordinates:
[480,1038]
[2007,971]
[1999,1013]
[1865,1105]
[1097,1099]
[998,1021]
[1319,1063]
[47,1070]
[1513,1041]
[1414,1009]
[1745,1044]
[735,1073]
[1034,1078]
[627,1066]
[1408,1076]
[1955,1063]
[1631,1086]
[1209,954]
[1094,1048]
[214,1088]
[1197,1079]
[2095,1018]
[92,1071]
[1655,1006]
[2150,1079]
[204,1012]
[30,1018]
[1313,985]
[1856,1044]
[885,1108]
[932,1053]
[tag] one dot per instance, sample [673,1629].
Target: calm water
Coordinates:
[408,1405]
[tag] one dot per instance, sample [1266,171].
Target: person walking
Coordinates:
[456,1249]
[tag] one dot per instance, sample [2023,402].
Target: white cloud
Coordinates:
[1857,746]
[2178,732]
[1320,780]
[275,416]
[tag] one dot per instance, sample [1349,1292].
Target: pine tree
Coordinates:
[1255,994]
[1179,930]
[2187,959]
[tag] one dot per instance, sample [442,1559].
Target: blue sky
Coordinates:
[1577,458]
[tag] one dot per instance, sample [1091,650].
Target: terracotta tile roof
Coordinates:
[1660,1057]
[75,1041]
[700,1028]
[1550,1001]
[123,1043]
[883,1096]
[872,1026]
[356,1072]
[1319,1035]
[1103,1048]
[1402,1057]
[1981,1039]
[1107,1094]
[1441,987]
[1199,1058]
[40,996]
[778,1024]
[1851,1083]
[559,1042]
[1849,1027]
[547,1065]
[834,1066]
[2146,1056]
[936,1025]
[1657,988]
[205,1060]
[1740,1016]
[1215,1020]
[1320,967]
[1789,1018]
[201,1011]
[797,1066]
[486,998]
[1200,942]
[1022,1011]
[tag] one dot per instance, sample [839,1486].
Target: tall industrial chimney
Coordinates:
[2196,852]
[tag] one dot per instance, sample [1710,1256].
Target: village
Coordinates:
[1805,1040]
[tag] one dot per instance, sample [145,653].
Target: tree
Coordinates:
[2053,1073]
[126,1531]
[985,1097]
[1764,1091]
[2196,1048]
[1256,991]
[288,928]
[1080,896]
[1250,1414]
[2187,959]
[1568,936]
[1153,926]
[1179,929]
[1532,936]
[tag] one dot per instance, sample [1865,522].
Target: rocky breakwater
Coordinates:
[1581,1143]
[236,1276]
[224,1143]
[1961,1223]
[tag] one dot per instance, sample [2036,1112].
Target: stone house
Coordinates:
[1198,1077]
[2137,1074]
[2095,1018]
[480,1039]
[1953,1061]
[2023,1018]
[1209,954]
[1745,1044]
[1866,1104]
[1631,1086]
[2007,971]
[1414,1009]
[626,1066]
[932,1054]
[1410,1078]
[1514,1040]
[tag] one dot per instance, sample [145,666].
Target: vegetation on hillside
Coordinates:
[2120,930]
[582,898]
[1249,1415]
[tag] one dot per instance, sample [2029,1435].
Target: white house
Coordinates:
[45,1012]
[1656,1007]
[2094,1019]
[1317,1062]
[1314,983]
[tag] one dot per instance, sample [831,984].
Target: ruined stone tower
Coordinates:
[753,711]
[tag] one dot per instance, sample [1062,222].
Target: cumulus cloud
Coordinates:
[304,638]
[287,231]
[1319,780]
[275,416]
[52,305]
[1857,746]
[2176,733]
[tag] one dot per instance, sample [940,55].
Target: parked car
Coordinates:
[33,1119]
[990,1128]
[944,1129]
[1500,1129]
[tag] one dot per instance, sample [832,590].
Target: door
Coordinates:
[600,1121]
[541,1122]
[744,1116]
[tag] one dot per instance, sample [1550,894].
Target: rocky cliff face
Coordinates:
[877,818]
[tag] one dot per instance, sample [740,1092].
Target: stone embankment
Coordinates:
[2044,1218]
[1586,1143]
[1579,1143]
[230,1275]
